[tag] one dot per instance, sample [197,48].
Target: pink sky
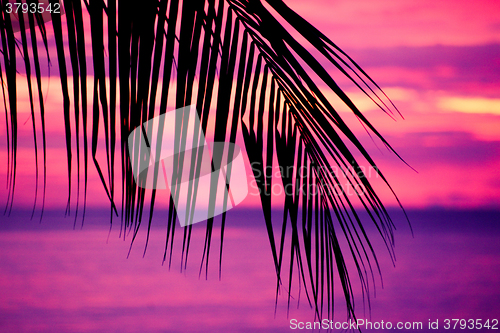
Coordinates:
[438,61]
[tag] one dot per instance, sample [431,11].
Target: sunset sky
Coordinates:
[438,61]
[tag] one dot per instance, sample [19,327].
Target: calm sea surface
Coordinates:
[56,279]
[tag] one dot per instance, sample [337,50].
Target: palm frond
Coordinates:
[249,67]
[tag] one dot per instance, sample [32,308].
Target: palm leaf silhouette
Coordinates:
[251,66]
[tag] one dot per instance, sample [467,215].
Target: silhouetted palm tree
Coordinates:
[251,66]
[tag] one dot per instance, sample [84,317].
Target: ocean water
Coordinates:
[56,279]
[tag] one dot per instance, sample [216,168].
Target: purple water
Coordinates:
[56,279]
